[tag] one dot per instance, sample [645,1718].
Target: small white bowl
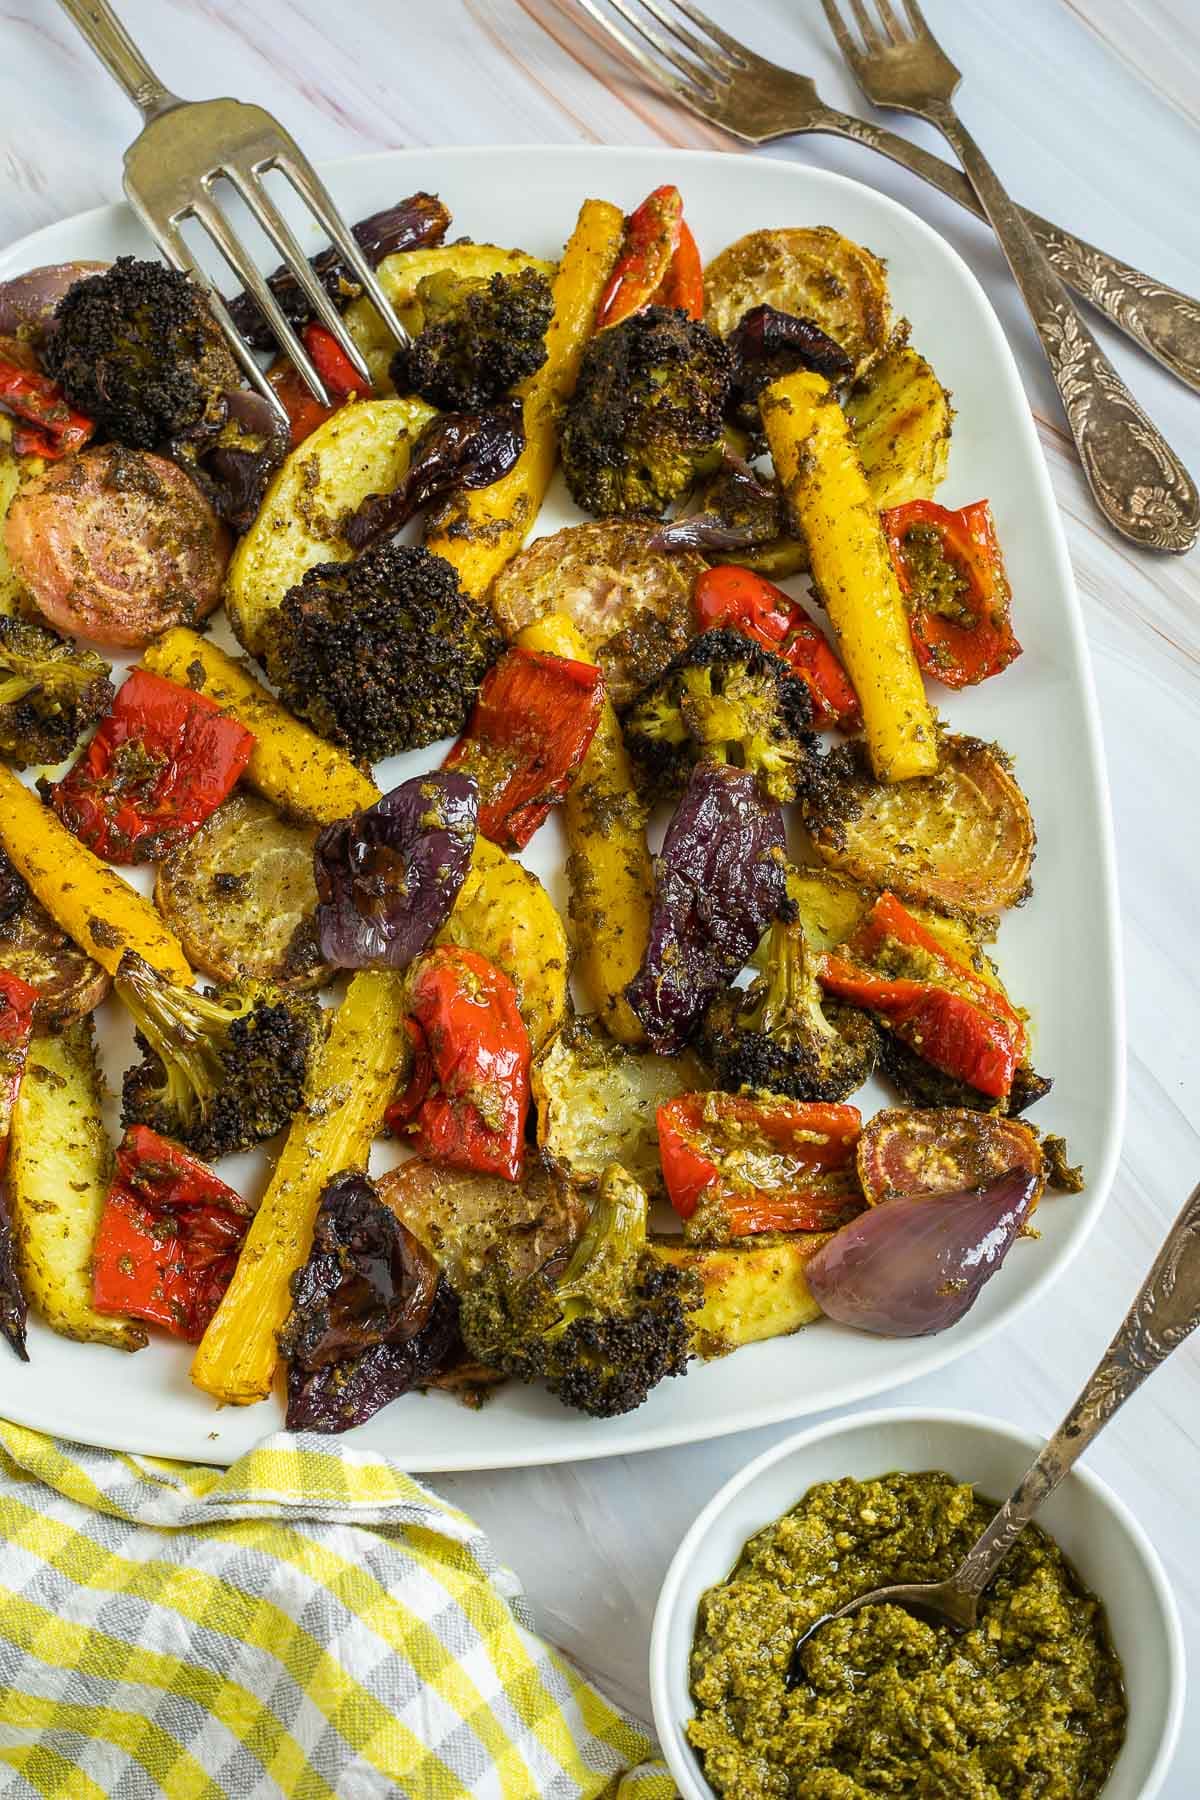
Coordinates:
[1096,1530]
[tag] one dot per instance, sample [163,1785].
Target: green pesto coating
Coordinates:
[1028,1706]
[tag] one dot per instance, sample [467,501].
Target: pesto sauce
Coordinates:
[1028,1706]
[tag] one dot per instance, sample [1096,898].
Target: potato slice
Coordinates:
[810,270]
[751,1291]
[631,605]
[69,983]
[460,1218]
[58,1174]
[901,416]
[363,449]
[240,896]
[505,913]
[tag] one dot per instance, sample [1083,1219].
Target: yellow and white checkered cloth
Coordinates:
[310,1623]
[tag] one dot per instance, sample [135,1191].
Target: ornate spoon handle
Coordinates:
[1166,1310]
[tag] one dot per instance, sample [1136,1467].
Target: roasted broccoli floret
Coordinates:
[50,692]
[601,1331]
[221,1070]
[727,699]
[383,654]
[921,1085]
[138,350]
[645,419]
[781,1034]
[479,338]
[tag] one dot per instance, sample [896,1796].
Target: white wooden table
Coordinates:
[1091,111]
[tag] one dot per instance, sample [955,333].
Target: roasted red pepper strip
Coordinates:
[743,601]
[169,1237]
[38,400]
[683,284]
[17,1001]
[764,1165]
[942,1009]
[304,413]
[659,264]
[961,629]
[162,760]
[474,1114]
[528,733]
[339,374]
[409,1100]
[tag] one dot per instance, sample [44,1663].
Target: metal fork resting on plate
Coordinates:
[183,151]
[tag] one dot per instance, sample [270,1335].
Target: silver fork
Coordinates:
[754,99]
[183,150]
[1138,482]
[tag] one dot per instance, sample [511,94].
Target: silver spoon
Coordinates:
[1166,1310]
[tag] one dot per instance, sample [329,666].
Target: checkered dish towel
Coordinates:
[310,1623]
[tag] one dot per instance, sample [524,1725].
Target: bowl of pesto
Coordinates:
[1070,1687]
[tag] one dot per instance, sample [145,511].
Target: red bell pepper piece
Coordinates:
[743,601]
[408,1102]
[528,733]
[658,264]
[52,429]
[473,1116]
[943,1009]
[683,284]
[17,1003]
[964,633]
[767,1165]
[162,760]
[169,1237]
[339,374]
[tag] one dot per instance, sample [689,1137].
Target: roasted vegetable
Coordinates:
[825,488]
[371,1315]
[812,272]
[737,599]
[961,840]
[51,692]
[719,880]
[736,515]
[67,982]
[363,450]
[387,878]
[58,1176]
[942,1152]
[900,415]
[382,654]
[168,1239]
[752,1289]
[15,471]
[602,1331]
[14,1309]
[466,1221]
[630,604]
[138,350]
[478,339]
[645,419]
[354,1077]
[505,913]
[766,344]
[91,903]
[922,1085]
[597,1102]
[220,1071]
[454,451]
[241,897]
[951,573]
[781,1034]
[725,699]
[480,531]
[45,425]
[18,1002]
[117,545]
[659,264]
[234,460]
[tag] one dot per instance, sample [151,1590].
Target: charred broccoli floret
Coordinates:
[138,350]
[604,1329]
[921,1085]
[727,699]
[382,654]
[50,692]
[645,419]
[781,1034]
[479,338]
[221,1070]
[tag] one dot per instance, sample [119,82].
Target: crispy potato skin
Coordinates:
[811,270]
[58,1174]
[901,418]
[505,913]
[751,1291]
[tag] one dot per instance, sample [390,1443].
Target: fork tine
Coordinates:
[869,30]
[316,196]
[284,241]
[891,23]
[841,32]
[687,66]
[916,18]
[691,92]
[736,52]
[710,58]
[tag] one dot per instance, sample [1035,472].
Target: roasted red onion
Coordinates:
[915,1265]
[27,301]
[456,450]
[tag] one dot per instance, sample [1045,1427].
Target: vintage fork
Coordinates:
[743,93]
[1138,482]
[171,168]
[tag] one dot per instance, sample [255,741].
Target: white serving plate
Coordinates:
[1062,949]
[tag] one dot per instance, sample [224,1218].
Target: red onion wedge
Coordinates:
[27,301]
[915,1265]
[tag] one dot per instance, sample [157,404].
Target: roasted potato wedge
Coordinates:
[811,270]
[597,1102]
[363,449]
[631,605]
[240,896]
[901,417]
[460,1217]
[831,906]
[751,1291]
[69,983]
[961,841]
[58,1174]
[505,913]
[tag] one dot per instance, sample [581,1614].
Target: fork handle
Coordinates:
[120,55]
[1139,483]
[1164,321]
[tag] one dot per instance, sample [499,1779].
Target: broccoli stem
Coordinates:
[595,1277]
[185,1031]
